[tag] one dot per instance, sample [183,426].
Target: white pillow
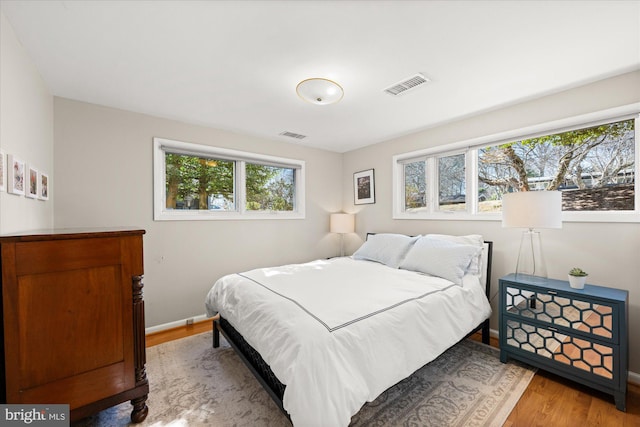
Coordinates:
[386,248]
[440,258]
[475,267]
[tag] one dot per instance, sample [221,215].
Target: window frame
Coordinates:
[471,146]
[160,213]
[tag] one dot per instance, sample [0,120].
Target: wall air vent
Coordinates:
[406,85]
[293,135]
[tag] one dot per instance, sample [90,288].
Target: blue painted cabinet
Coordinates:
[579,334]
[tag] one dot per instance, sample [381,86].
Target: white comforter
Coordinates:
[339,332]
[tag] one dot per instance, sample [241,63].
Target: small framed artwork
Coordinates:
[43,188]
[364,187]
[31,189]
[3,171]
[16,173]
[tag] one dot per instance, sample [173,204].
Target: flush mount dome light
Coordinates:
[320,91]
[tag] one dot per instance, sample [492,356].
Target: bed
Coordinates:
[327,336]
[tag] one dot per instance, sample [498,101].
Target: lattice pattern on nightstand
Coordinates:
[580,315]
[573,351]
[548,324]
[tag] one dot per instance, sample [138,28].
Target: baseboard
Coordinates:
[634,378]
[176,324]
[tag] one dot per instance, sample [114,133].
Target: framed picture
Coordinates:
[364,187]
[3,171]
[31,189]
[43,188]
[16,174]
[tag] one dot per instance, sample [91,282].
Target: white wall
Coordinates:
[104,177]
[26,130]
[608,251]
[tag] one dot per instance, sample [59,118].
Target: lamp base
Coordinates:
[530,258]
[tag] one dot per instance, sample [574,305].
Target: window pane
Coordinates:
[593,167]
[452,183]
[494,178]
[270,188]
[415,186]
[200,183]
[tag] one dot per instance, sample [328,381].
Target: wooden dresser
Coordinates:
[73,320]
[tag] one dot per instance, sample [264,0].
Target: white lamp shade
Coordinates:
[320,91]
[532,209]
[342,223]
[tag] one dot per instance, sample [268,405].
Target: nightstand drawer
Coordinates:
[550,343]
[593,318]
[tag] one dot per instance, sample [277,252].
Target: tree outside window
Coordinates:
[452,183]
[593,167]
[199,183]
[269,188]
[415,185]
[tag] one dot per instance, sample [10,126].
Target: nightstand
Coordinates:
[579,334]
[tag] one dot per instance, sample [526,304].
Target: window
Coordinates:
[270,188]
[593,163]
[452,183]
[201,182]
[451,179]
[593,167]
[415,185]
[198,182]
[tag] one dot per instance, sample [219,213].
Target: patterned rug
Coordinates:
[193,384]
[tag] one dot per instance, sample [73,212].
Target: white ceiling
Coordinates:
[235,65]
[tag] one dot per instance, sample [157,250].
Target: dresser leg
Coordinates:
[140,409]
[503,357]
[621,401]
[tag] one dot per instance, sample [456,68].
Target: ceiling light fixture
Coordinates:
[320,91]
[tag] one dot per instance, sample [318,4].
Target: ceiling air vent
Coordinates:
[406,85]
[293,135]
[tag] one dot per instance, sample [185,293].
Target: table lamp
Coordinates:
[342,223]
[532,210]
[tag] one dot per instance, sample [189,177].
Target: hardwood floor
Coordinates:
[552,401]
[177,333]
[549,401]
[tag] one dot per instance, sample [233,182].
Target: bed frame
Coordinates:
[263,372]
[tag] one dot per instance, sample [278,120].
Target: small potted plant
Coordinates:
[577,277]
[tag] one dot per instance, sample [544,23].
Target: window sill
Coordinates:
[221,216]
[610,217]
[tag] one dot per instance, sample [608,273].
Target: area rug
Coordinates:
[193,384]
